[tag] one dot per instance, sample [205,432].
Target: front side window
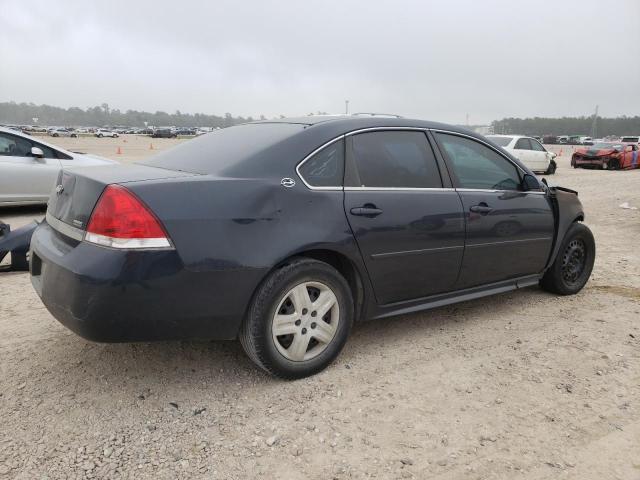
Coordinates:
[13,146]
[50,152]
[523,144]
[325,168]
[394,159]
[535,145]
[477,166]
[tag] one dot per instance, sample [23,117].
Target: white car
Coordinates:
[103,132]
[29,168]
[529,151]
[62,132]
[630,139]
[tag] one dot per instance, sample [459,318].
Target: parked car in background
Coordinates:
[586,141]
[164,133]
[103,132]
[63,132]
[613,156]
[29,167]
[34,129]
[284,233]
[82,130]
[630,139]
[185,131]
[529,151]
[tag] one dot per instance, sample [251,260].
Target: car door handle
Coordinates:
[367,210]
[482,209]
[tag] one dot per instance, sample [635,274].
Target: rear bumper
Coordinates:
[107,295]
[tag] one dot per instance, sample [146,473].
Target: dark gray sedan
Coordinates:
[284,233]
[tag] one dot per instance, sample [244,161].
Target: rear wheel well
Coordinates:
[346,268]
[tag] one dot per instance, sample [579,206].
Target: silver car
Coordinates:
[29,167]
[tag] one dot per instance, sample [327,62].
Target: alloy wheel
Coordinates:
[306,321]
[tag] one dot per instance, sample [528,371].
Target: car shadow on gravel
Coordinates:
[189,365]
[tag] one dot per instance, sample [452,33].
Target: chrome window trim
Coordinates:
[421,129]
[64,228]
[302,162]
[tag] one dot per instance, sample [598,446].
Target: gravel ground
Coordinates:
[521,385]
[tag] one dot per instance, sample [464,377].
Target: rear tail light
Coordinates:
[122,220]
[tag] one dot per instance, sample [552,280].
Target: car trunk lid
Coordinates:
[77,190]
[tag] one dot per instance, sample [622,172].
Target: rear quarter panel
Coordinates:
[246,226]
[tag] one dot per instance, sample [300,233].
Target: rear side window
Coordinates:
[325,168]
[394,159]
[477,166]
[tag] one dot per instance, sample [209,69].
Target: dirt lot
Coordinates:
[522,385]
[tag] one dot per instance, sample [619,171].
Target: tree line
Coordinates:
[568,126]
[102,115]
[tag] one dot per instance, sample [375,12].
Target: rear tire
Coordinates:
[573,265]
[287,331]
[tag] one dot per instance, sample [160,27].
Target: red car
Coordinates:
[612,156]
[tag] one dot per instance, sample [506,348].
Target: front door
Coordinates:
[410,230]
[509,231]
[540,156]
[24,177]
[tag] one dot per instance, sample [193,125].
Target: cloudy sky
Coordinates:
[438,60]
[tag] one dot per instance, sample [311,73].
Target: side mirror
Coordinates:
[529,182]
[37,152]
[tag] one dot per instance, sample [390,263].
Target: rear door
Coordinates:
[23,177]
[540,157]
[509,231]
[522,150]
[409,226]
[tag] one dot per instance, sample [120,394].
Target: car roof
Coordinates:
[276,150]
[353,122]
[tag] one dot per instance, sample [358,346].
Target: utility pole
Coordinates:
[594,124]
[346,107]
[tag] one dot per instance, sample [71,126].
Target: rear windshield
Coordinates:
[226,152]
[630,139]
[501,141]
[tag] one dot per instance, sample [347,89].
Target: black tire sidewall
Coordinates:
[267,300]
[582,232]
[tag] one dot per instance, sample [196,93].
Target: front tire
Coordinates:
[298,320]
[573,265]
[551,169]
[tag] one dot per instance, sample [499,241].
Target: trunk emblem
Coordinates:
[59,189]
[287,182]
